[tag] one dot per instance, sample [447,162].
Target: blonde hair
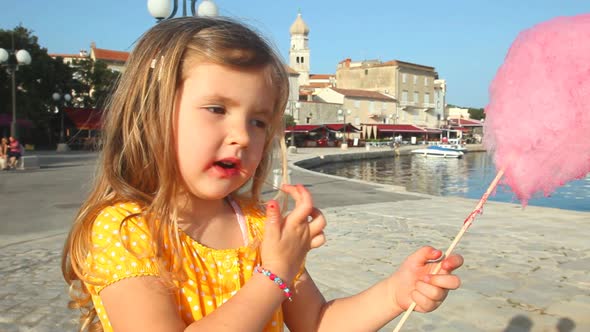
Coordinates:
[138,161]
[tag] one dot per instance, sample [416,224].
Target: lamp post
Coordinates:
[11,59]
[343,114]
[160,9]
[62,145]
[297,106]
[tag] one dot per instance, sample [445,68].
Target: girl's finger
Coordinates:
[423,303]
[430,291]
[317,223]
[446,281]
[424,255]
[317,241]
[451,263]
[272,227]
[303,204]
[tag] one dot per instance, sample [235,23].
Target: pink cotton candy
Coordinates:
[537,122]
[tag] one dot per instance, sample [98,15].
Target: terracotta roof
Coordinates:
[466,122]
[404,63]
[366,94]
[388,63]
[320,76]
[102,54]
[314,85]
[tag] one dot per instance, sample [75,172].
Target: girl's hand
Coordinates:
[412,282]
[287,240]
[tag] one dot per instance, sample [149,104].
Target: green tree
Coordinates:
[289,120]
[477,113]
[94,82]
[35,83]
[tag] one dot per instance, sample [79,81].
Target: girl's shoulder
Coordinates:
[119,212]
[113,218]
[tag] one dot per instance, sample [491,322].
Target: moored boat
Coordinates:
[455,147]
[438,151]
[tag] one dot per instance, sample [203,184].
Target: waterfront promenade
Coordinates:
[525,270]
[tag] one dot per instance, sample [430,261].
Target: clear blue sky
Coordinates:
[465,40]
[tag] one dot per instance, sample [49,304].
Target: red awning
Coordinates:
[301,128]
[330,126]
[85,118]
[433,131]
[402,128]
[463,129]
[6,121]
[339,126]
[465,122]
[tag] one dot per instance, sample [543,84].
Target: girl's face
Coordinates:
[221,119]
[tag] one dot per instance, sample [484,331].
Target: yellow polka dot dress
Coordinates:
[123,249]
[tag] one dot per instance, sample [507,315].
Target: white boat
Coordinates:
[450,145]
[438,151]
[455,147]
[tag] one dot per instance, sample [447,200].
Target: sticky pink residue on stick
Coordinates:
[537,122]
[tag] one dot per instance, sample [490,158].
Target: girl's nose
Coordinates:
[239,134]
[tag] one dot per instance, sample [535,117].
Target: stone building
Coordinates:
[359,106]
[416,88]
[115,60]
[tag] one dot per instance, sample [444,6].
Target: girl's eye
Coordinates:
[259,123]
[215,109]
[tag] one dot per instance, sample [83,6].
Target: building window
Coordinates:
[416,96]
[302,58]
[425,81]
[366,72]
[405,96]
[415,79]
[371,107]
[357,103]
[426,98]
[404,78]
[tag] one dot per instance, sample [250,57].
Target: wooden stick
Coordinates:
[468,221]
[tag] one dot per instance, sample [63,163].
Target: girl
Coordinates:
[173,237]
[3,153]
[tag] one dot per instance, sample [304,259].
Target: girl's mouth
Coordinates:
[227,167]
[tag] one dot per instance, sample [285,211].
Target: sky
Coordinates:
[465,40]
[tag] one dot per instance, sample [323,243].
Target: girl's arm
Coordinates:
[373,308]
[146,304]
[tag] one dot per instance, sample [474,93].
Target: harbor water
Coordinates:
[467,177]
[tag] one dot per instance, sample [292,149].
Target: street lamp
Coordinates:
[62,146]
[297,105]
[343,114]
[160,9]
[11,60]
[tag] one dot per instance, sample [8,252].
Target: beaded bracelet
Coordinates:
[276,280]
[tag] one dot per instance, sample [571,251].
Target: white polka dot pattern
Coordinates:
[214,276]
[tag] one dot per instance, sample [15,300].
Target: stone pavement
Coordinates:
[525,269]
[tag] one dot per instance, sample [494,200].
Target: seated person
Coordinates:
[14,152]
